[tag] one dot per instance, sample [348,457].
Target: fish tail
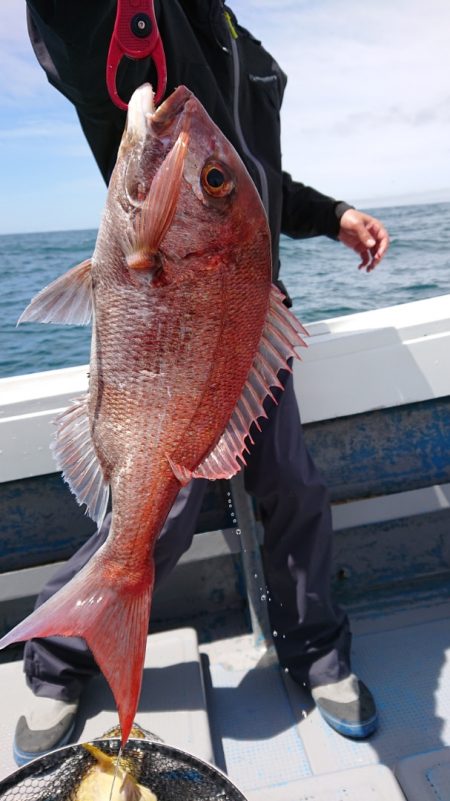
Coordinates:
[112,616]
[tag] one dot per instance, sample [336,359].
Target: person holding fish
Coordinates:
[182,271]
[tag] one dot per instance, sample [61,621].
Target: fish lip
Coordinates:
[170,110]
[141,105]
[143,117]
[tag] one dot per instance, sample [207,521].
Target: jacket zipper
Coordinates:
[236,116]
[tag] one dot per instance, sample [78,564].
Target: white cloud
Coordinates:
[366,111]
[367,101]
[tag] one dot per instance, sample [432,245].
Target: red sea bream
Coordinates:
[188,337]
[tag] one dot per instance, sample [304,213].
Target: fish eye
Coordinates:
[215,180]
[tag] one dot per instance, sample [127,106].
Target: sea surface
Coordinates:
[321,276]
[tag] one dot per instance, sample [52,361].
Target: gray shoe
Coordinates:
[46,724]
[348,707]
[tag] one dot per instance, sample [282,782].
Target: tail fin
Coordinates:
[112,616]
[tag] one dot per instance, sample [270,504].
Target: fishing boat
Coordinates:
[374,394]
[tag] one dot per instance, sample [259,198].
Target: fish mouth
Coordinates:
[173,108]
[142,114]
[169,126]
[149,136]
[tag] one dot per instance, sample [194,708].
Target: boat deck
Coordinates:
[227,702]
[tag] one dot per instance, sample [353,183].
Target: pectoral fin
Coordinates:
[158,210]
[67,300]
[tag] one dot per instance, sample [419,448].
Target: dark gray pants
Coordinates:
[313,639]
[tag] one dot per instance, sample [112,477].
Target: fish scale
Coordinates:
[188,337]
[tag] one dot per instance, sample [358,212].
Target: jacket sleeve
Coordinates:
[306,212]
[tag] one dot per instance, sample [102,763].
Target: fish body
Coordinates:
[188,337]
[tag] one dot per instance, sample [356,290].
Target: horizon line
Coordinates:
[372,204]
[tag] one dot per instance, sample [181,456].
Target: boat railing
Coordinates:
[373,391]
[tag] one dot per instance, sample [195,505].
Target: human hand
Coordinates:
[366,235]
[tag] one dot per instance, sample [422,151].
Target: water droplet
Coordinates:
[255,575]
[275,633]
[263,597]
[286,670]
[238,532]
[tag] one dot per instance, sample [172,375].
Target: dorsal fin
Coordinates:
[281,335]
[75,456]
[67,300]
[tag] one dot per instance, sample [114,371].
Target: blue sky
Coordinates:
[366,115]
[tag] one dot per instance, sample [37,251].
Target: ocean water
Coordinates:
[320,275]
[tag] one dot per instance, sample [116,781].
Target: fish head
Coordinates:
[180,197]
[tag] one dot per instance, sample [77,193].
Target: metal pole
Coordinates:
[252,563]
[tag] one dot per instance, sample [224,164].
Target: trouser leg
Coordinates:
[59,667]
[312,634]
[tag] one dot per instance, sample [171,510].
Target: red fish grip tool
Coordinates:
[135,36]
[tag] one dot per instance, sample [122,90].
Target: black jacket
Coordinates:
[238,82]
